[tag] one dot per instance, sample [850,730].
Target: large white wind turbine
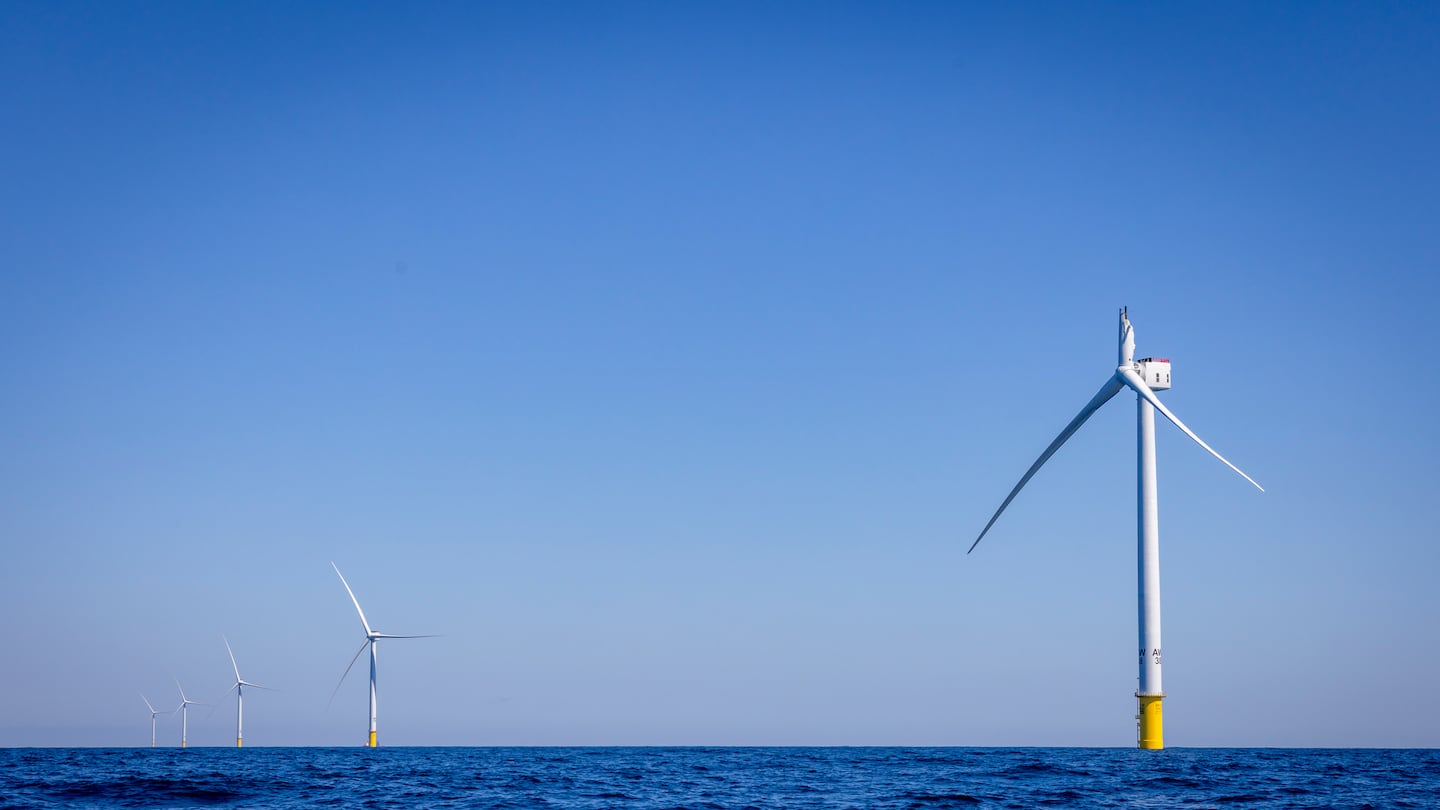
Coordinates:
[239,689]
[371,637]
[1144,377]
[153,713]
[184,709]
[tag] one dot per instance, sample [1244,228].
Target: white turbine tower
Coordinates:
[371,637]
[1144,377]
[153,713]
[184,709]
[239,689]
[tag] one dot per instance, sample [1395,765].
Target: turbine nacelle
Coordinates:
[1155,371]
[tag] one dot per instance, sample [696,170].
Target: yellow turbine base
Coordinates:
[1152,722]
[239,743]
[372,739]
[182,743]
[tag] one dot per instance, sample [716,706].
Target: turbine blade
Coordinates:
[232,658]
[147,703]
[1138,385]
[347,671]
[388,635]
[1110,389]
[1127,338]
[352,598]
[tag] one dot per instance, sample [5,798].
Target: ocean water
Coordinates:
[696,778]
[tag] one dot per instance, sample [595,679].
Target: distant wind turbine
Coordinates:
[239,689]
[1144,377]
[371,637]
[153,714]
[184,709]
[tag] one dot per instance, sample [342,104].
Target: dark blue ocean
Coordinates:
[924,778]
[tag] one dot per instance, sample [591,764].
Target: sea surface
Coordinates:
[924,778]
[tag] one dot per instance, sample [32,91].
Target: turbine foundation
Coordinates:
[1152,722]
[372,744]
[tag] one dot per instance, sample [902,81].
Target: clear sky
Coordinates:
[666,358]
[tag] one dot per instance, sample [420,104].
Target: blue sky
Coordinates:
[666,358]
